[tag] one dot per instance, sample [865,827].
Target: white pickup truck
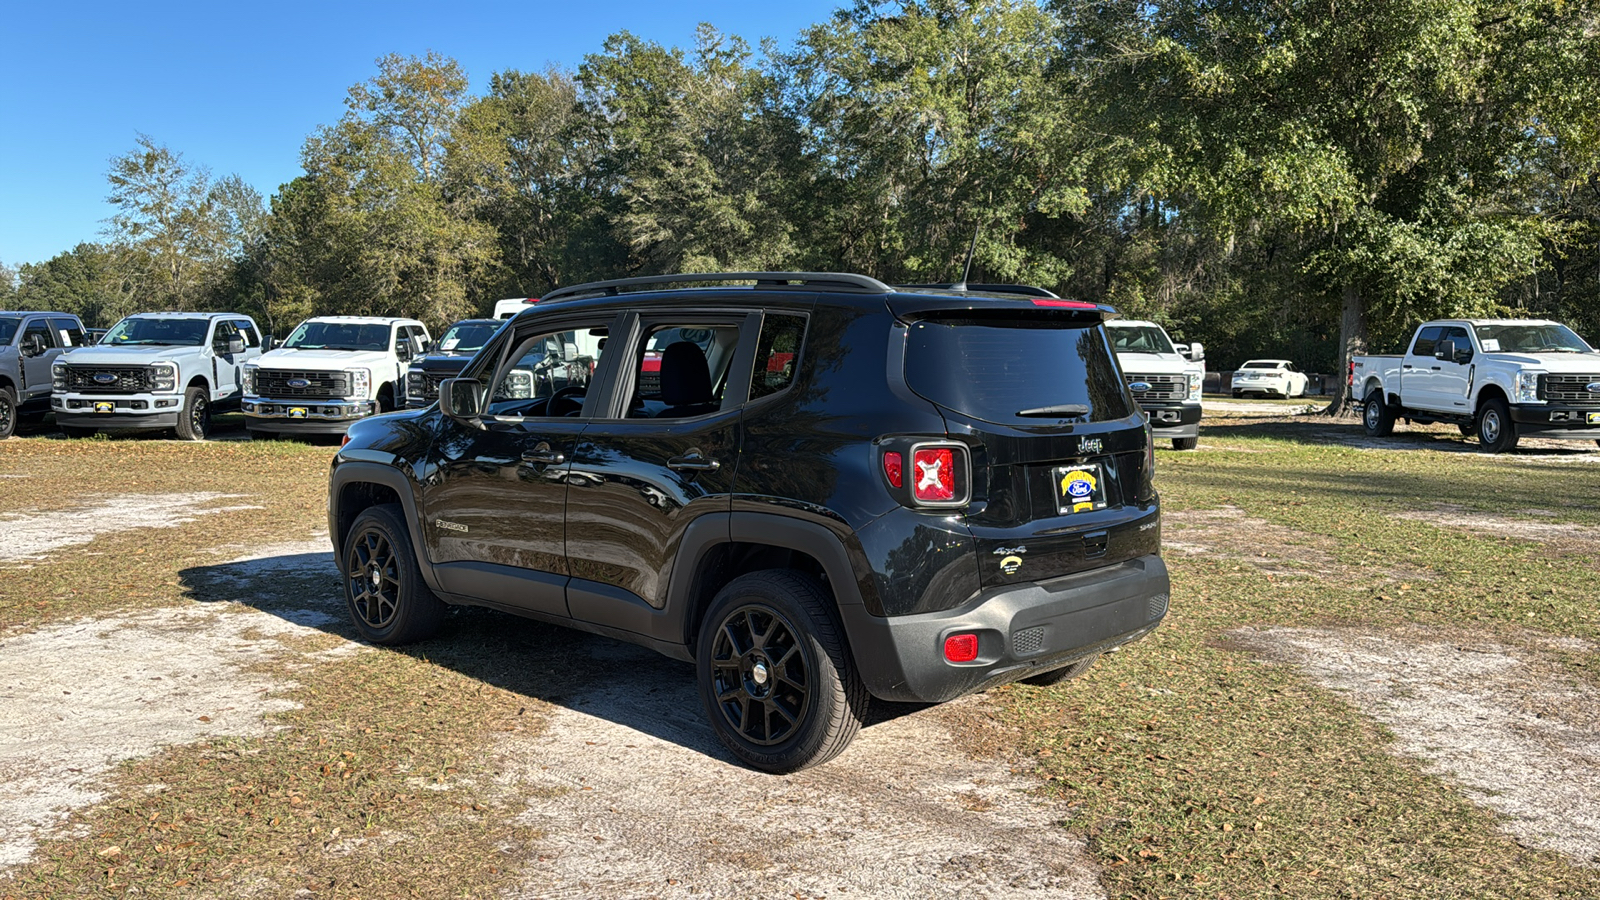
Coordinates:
[1165,378]
[331,371]
[1498,378]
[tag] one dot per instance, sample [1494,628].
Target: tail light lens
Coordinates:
[927,473]
[894,469]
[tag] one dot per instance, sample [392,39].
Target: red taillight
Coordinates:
[961,647]
[934,474]
[1065,304]
[344,440]
[1350,374]
[893,469]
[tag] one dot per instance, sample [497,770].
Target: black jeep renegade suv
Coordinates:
[815,486]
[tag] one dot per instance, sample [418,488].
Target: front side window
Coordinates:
[172,332]
[682,370]
[248,332]
[314,335]
[547,375]
[1544,338]
[1426,339]
[8,329]
[41,329]
[1139,339]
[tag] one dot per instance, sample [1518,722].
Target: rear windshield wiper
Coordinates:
[1057,411]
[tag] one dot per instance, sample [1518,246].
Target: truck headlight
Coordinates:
[414,384]
[58,377]
[1528,387]
[1196,382]
[164,378]
[360,383]
[519,384]
[247,380]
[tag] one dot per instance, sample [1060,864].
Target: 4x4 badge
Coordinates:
[1089,445]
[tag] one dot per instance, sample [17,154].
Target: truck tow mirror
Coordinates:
[268,342]
[32,345]
[462,399]
[236,345]
[1445,350]
[1197,352]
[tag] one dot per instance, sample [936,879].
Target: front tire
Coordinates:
[8,413]
[1376,416]
[195,422]
[389,602]
[775,676]
[1496,432]
[1188,443]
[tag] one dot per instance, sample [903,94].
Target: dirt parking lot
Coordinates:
[1379,678]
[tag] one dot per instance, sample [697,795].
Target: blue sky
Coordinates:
[238,88]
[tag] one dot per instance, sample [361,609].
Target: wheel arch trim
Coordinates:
[352,472]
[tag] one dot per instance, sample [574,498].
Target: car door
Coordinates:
[663,454]
[1418,387]
[1452,378]
[495,496]
[36,368]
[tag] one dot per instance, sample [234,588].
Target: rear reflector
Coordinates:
[961,647]
[893,469]
[1065,304]
[935,474]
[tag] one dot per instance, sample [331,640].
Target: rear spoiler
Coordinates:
[914,307]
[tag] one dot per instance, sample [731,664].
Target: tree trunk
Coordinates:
[1352,341]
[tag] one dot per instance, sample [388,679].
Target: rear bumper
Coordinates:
[1022,629]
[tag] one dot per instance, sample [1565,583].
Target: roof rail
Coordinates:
[1023,289]
[821,281]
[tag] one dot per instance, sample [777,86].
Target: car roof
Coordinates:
[365,320]
[35,312]
[187,315]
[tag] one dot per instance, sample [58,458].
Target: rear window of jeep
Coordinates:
[993,369]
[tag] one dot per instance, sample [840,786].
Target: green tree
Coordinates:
[89,280]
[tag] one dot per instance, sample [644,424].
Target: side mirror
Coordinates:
[268,342]
[402,351]
[236,345]
[1445,350]
[32,345]
[1197,352]
[462,399]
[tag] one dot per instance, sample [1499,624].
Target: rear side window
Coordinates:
[777,353]
[993,369]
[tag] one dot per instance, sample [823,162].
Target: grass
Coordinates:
[1193,768]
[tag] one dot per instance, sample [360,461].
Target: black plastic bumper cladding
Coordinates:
[1022,630]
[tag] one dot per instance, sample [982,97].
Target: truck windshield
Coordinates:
[8,329]
[1138,339]
[467,337]
[996,369]
[161,331]
[1544,338]
[312,335]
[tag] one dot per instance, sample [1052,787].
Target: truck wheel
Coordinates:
[8,413]
[1376,416]
[76,431]
[1065,673]
[775,675]
[1238,394]
[1467,429]
[383,588]
[1188,443]
[195,421]
[1496,432]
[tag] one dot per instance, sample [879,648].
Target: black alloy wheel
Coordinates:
[195,423]
[389,602]
[8,413]
[775,673]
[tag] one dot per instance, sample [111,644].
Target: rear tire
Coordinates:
[194,423]
[1496,432]
[1188,443]
[1376,416]
[8,413]
[1065,673]
[389,602]
[1468,429]
[775,675]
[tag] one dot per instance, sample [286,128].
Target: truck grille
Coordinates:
[427,387]
[1162,387]
[129,379]
[1569,389]
[322,385]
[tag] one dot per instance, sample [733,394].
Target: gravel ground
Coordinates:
[36,534]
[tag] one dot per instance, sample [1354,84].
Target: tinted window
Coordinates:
[158,331]
[992,369]
[1426,339]
[542,366]
[8,329]
[41,328]
[248,332]
[70,332]
[777,353]
[693,385]
[339,336]
[1459,335]
[1139,339]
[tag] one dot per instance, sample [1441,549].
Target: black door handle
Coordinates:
[694,462]
[1436,368]
[545,454]
[1406,366]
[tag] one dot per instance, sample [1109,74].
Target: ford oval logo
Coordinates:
[298,382]
[1592,387]
[1139,387]
[104,378]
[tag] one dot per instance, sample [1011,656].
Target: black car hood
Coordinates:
[444,362]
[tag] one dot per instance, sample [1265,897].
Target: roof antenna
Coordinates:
[967,269]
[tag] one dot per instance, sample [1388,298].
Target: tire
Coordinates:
[386,399]
[1188,443]
[1376,416]
[1468,429]
[8,412]
[1496,432]
[195,421]
[775,676]
[388,601]
[1065,673]
[76,431]
[1238,394]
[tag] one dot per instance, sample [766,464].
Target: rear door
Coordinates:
[1060,451]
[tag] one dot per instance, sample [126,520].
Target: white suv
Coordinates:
[330,372]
